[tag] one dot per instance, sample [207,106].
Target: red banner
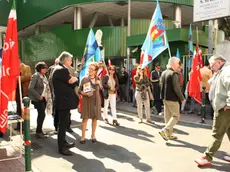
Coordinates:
[10,67]
[195,77]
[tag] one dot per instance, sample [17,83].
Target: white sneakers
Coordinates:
[203,162]
[227,158]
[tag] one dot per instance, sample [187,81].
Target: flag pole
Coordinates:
[197,36]
[169,52]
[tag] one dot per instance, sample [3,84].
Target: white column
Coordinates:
[37,29]
[122,22]
[77,18]
[178,16]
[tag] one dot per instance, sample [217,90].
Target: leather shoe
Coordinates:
[69,145]
[69,130]
[40,136]
[65,152]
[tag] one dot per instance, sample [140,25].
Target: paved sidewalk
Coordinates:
[10,159]
[16,165]
[184,119]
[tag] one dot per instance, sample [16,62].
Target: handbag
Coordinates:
[143,95]
[105,93]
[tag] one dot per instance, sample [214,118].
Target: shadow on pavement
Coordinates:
[137,134]
[115,152]
[125,117]
[80,163]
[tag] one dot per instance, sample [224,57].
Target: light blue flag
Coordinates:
[92,53]
[190,43]
[156,40]
[178,53]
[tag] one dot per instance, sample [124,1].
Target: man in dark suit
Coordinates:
[155,77]
[65,99]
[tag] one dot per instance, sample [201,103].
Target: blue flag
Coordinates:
[92,53]
[190,43]
[155,41]
[178,53]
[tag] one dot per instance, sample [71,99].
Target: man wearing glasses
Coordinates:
[220,98]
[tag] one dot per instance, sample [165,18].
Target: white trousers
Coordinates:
[112,101]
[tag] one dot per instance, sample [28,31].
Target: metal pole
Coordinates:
[203,107]
[210,37]
[27,138]
[128,49]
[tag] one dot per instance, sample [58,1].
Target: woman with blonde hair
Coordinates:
[142,94]
[91,102]
[110,86]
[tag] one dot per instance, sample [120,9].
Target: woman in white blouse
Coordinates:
[110,86]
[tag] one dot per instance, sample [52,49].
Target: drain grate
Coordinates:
[35,146]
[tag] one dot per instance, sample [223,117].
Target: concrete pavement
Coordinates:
[132,147]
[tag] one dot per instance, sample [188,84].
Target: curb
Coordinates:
[161,118]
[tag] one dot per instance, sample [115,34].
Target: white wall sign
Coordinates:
[210,9]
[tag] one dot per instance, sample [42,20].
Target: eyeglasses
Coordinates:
[112,69]
[44,67]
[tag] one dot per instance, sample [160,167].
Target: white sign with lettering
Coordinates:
[210,9]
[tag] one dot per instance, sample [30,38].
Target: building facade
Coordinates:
[47,28]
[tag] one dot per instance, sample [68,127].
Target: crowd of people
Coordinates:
[58,89]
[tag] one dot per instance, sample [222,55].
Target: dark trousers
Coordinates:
[64,116]
[40,106]
[122,92]
[19,108]
[56,119]
[158,104]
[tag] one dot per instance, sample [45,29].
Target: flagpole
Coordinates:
[197,36]
[20,91]
[169,52]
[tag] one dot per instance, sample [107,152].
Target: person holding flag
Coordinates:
[10,67]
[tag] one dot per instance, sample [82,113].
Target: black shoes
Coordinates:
[69,130]
[82,141]
[94,140]
[116,123]
[65,152]
[106,121]
[40,136]
[69,145]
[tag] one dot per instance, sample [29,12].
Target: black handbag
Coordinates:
[105,93]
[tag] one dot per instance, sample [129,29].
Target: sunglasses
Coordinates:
[112,69]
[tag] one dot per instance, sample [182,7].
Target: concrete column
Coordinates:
[122,22]
[177,16]
[37,29]
[93,21]
[77,18]
[215,26]
[210,37]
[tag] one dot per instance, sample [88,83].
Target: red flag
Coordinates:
[200,60]
[10,66]
[195,77]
